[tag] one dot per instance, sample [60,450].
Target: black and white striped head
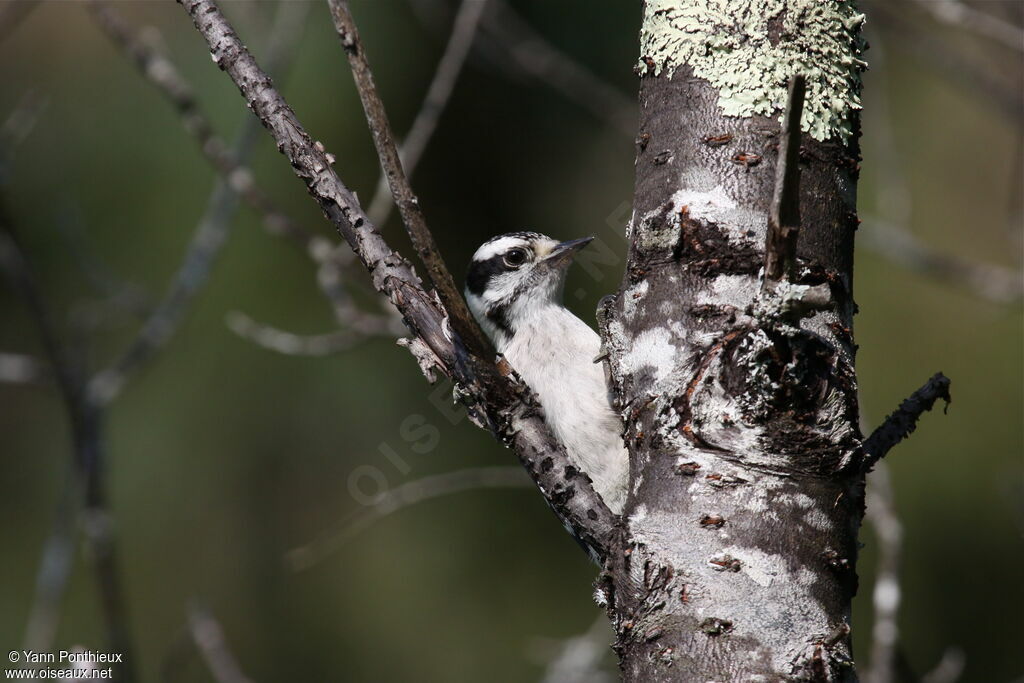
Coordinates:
[514,275]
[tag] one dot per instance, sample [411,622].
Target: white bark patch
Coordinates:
[818,519]
[639,514]
[633,299]
[758,566]
[765,599]
[749,50]
[729,290]
[711,205]
[652,350]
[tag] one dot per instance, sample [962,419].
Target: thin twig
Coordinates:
[506,408]
[117,293]
[522,48]
[17,127]
[56,563]
[784,215]
[162,73]
[17,368]
[464,30]
[881,512]
[213,228]
[886,236]
[400,497]
[995,283]
[12,13]
[949,669]
[55,566]
[87,479]
[961,15]
[515,46]
[408,205]
[200,254]
[209,638]
[901,423]
[291,344]
[331,261]
[579,659]
[958,66]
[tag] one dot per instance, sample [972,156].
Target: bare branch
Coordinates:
[517,47]
[525,50]
[200,254]
[408,205]
[118,296]
[887,236]
[16,267]
[164,75]
[56,564]
[18,125]
[12,13]
[55,567]
[579,658]
[400,497]
[933,51]
[988,27]
[17,368]
[522,51]
[881,511]
[949,669]
[901,424]
[209,638]
[58,551]
[507,408]
[784,216]
[212,231]
[331,260]
[292,344]
[88,449]
[463,33]
[160,71]
[996,283]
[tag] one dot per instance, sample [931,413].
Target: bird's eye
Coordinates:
[515,258]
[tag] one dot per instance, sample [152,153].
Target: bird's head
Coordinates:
[516,275]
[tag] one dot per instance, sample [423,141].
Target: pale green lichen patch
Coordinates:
[749,49]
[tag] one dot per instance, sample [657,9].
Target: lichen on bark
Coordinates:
[737,549]
[749,50]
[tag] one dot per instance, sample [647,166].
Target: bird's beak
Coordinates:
[564,252]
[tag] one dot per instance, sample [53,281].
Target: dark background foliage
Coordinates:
[223,456]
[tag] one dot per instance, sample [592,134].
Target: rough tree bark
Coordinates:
[729,344]
[735,559]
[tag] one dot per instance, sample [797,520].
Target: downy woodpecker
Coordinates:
[514,289]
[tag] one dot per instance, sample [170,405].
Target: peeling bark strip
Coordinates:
[740,405]
[503,404]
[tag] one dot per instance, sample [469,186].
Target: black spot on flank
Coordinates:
[481,272]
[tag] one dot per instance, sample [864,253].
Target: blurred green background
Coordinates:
[224,456]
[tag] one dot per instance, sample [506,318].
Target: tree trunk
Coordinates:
[735,559]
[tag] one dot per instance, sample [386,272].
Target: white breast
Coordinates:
[554,352]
